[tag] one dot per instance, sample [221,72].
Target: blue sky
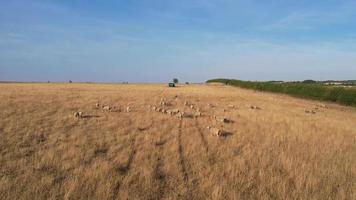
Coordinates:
[194,40]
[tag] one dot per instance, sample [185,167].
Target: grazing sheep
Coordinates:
[222,119]
[128,109]
[322,105]
[110,109]
[97,105]
[255,108]
[165,103]
[211,105]
[192,106]
[197,114]
[106,108]
[175,111]
[181,115]
[310,111]
[78,114]
[186,103]
[231,106]
[154,108]
[184,115]
[217,132]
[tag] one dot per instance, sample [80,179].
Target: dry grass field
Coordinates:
[276,152]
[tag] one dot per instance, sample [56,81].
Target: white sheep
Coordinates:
[310,111]
[197,114]
[97,105]
[223,119]
[128,109]
[78,114]
[175,111]
[218,132]
[255,107]
[106,108]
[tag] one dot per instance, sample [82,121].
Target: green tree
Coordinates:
[309,81]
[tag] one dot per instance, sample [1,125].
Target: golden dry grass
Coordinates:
[279,152]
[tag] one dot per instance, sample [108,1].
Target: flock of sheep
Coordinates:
[176,112]
[315,109]
[193,112]
[104,108]
[167,108]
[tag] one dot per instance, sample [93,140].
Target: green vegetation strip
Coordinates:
[345,96]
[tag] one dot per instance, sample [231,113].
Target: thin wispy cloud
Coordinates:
[309,20]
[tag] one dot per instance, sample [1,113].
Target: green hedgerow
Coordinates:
[304,90]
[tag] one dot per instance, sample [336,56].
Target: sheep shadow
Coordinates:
[90,116]
[229,121]
[226,134]
[143,128]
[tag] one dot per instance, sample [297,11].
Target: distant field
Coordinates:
[274,149]
[345,95]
